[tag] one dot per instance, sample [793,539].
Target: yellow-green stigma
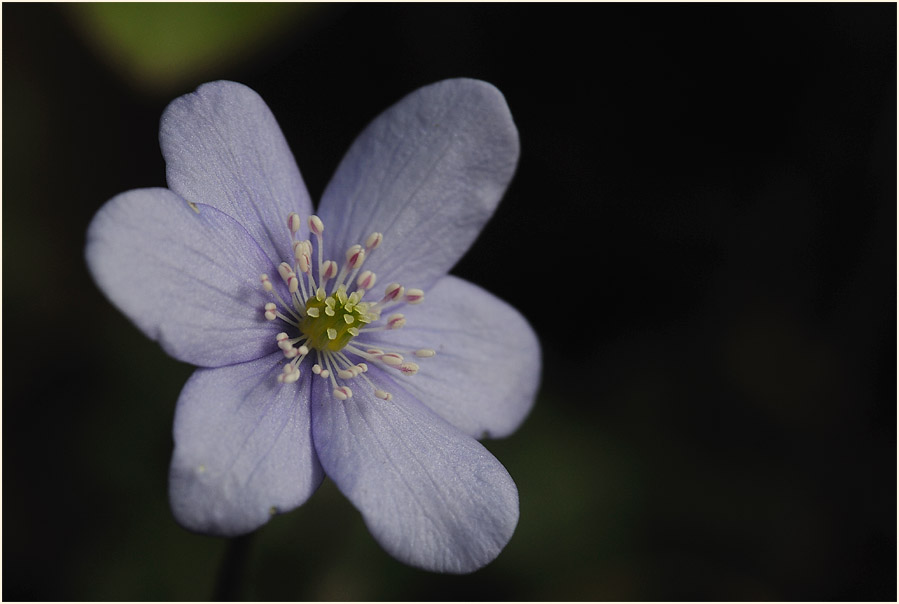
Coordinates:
[331,322]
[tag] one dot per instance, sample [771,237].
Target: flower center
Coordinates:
[329,321]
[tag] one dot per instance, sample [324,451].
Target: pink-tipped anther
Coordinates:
[329,270]
[293,222]
[301,248]
[355,256]
[289,375]
[414,296]
[408,368]
[366,280]
[293,284]
[373,241]
[315,225]
[393,292]
[285,270]
[395,321]
[342,393]
[392,359]
[303,263]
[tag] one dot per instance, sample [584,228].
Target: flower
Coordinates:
[305,369]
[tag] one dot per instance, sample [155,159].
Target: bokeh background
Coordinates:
[702,231]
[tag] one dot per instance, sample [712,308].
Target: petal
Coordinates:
[431,496]
[189,279]
[223,147]
[427,174]
[484,377]
[243,448]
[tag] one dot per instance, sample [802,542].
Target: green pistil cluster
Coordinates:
[331,322]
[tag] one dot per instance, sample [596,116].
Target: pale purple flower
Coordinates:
[383,384]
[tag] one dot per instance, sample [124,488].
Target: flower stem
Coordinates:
[230,580]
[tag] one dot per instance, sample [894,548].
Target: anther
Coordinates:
[329,270]
[415,296]
[293,222]
[393,291]
[342,393]
[424,353]
[303,263]
[271,311]
[392,359]
[373,241]
[285,270]
[289,375]
[366,280]
[408,368]
[381,394]
[315,225]
[395,321]
[266,283]
[355,256]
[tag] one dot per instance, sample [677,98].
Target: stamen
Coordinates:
[393,291]
[392,359]
[285,270]
[316,226]
[302,258]
[415,296]
[366,280]
[299,248]
[289,374]
[329,271]
[355,256]
[293,222]
[342,393]
[373,241]
[408,368]
[395,321]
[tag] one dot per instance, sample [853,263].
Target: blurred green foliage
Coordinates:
[163,45]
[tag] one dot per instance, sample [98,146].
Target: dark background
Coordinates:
[702,230]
